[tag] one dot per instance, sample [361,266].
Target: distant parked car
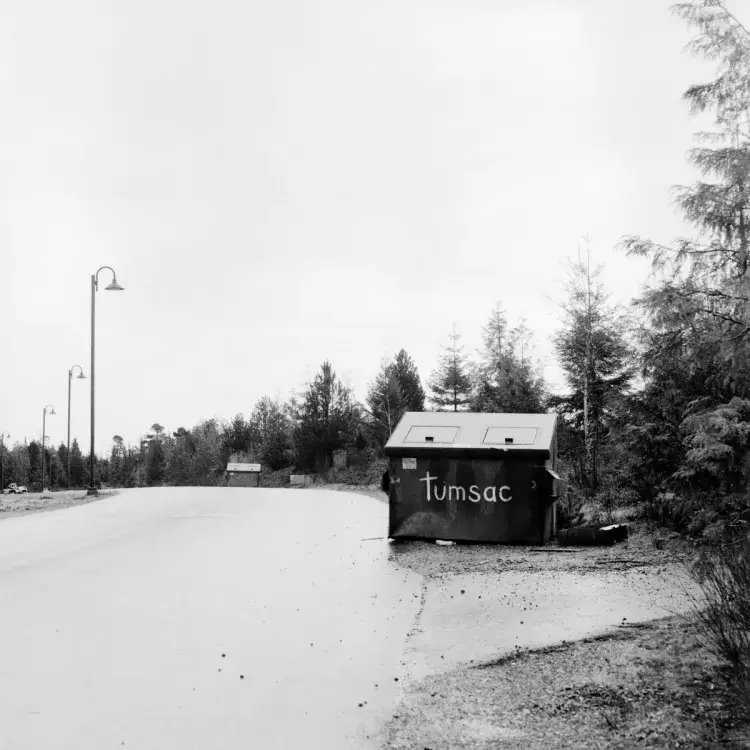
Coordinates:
[15,489]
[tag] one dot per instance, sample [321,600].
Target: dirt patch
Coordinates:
[652,685]
[647,546]
[37,502]
[643,549]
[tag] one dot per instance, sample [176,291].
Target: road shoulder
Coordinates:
[651,684]
[12,506]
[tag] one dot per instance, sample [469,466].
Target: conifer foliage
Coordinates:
[505,379]
[386,404]
[270,430]
[395,390]
[327,420]
[693,425]
[597,363]
[407,376]
[450,383]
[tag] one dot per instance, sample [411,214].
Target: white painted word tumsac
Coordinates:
[491,494]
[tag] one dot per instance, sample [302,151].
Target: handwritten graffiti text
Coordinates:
[490,494]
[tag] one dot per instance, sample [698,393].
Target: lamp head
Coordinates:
[114,286]
[53,411]
[81,376]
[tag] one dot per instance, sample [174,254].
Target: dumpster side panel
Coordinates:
[243,479]
[438,497]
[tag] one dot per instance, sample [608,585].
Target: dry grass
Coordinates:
[722,611]
[37,502]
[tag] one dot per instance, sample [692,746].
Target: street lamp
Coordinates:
[44,435]
[3,435]
[113,287]
[80,376]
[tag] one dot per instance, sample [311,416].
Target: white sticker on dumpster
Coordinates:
[409,463]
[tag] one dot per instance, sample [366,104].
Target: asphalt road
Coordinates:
[201,618]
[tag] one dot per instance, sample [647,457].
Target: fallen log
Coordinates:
[592,536]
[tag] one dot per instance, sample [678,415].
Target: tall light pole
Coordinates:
[44,434]
[80,376]
[113,287]
[3,435]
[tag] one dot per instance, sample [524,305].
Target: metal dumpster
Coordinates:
[243,475]
[473,477]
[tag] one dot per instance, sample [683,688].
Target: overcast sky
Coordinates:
[280,183]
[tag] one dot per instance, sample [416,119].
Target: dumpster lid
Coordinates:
[445,431]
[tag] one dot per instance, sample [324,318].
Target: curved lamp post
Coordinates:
[44,435]
[3,435]
[80,376]
[113,287]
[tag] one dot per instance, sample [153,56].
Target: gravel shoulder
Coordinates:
[650,685]
[12,506]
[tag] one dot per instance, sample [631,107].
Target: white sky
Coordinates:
[277,183]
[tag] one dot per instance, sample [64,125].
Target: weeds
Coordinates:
[722,571]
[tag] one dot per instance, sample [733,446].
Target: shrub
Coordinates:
[698,514]
[722,571]
[361,475]
[279,478]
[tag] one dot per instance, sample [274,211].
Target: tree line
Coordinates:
[306,431]
[656,408]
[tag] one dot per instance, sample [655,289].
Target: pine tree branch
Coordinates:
[741,334]
[737,22]
[711,293]
[721,316]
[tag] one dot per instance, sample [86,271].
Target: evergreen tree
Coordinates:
[386,403]
[407,376]
[238,435]
[77,468]
[4,452]
[504,381]
[62,454]
[129,467]
[360,444]
[450,383]
[180,458]
[526,381]
[155,461]
[116,460]
[209,461]
[696,342]
[35,462]
[19,470]
[328,420]
[597,364]
[269,427]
